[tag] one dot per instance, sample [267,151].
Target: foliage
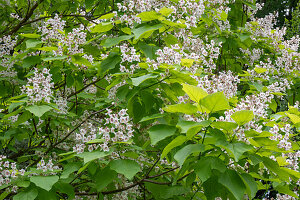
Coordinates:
[293,26]
[284,9]
[176,99]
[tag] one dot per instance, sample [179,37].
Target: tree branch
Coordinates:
[28,15]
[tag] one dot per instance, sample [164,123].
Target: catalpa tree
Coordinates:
[147,99]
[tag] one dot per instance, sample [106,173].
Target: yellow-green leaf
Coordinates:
[102,27]
[149,16]
[107,16]
[166,11]
[195,93]
[175,143]
[181,108]
[294,118]
[242,117]
[260,70]
[187,62]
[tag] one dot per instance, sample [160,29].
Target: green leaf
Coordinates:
[139,32]
[185,108]
[215,102]
[149,16]
[186,125]
[260,70]
[90,156]
[95,141]
[233,182]
[179,140]
[195,93]
[30,35]
[294,118]
[242,117]
[126,30]
[137,81]
[274,167]
[205,165]
[151,117]
[273,105]
[243,37]
[45,182]
[109,42]
[4,195]
[160,131]
[26,195]
[173,191]
[107,16]
[109,63]
[65,188]
[23,118]
[22,183]
[102,27]
[32,43]
[227,126]
[49,195]
[148,49]
[31,61]
[250,184]
[79,60]
[104,177]
[183,153]
[126,167]
[285,189]
[236,149]
[69,169]
[293,174]
[187,62]
[171,40]
[47,49]
[166,11]
[38,111]
[55,58]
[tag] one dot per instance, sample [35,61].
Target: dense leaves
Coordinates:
[189,99]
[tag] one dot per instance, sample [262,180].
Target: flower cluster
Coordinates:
[61,103]
[7,45]
[52,31]
[225,82]
[129,55]
[46,167]
[293,160]
[118,128]
[38,87]
[8,171]
[169,56]
[87,132]
[283,140]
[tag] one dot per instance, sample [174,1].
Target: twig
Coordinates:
[147,174]
[78,91]
[157,175]
[28,15]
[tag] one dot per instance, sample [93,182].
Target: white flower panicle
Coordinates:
[116,128]
[39,87]
[225,82]
[8,171]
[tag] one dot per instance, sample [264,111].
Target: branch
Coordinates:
[78,91]
[147,175]
[28,15]
[67,15]
[157,175]
[158,183]
[72,131]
